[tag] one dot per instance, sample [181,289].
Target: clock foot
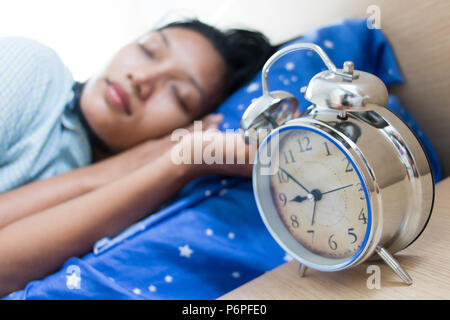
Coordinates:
[301,270]
[395,266]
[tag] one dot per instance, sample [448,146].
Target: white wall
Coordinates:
[86,33]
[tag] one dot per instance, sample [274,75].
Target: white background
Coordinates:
[86,33]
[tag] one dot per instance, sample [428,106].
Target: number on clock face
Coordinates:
[318,194]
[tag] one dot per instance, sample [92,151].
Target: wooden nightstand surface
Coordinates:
[427,261]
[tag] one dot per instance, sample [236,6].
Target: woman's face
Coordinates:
[160,82]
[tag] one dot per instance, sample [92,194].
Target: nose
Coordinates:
[145,79]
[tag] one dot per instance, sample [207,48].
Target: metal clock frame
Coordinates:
[385,152]
[384,235]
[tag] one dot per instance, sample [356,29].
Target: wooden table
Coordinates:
[427,261]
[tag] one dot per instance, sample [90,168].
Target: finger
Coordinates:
[212,121]
[216,118]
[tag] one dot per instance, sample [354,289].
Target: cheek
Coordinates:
[124,60]
[160,117]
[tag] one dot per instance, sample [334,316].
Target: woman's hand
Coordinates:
[210,151]
[210,121]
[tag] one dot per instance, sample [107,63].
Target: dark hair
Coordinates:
[244,51]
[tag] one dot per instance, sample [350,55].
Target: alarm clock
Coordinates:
[345,182]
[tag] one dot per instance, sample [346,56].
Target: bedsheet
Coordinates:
[210,238]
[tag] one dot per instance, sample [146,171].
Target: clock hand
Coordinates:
[318,196]
[314,213]
[337,189]
[299,199]
[293,179]
[315,194]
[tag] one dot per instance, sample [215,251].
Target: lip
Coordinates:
[117,96]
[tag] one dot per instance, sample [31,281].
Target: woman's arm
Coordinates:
[40,243]
[37,245]
[40,195]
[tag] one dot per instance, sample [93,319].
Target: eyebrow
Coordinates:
[164,38]
[189,77]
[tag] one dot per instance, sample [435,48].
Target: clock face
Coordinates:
[319,195]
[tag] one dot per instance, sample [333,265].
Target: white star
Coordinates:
[253,87]
[241,107]
[235,274]
[168,279]
[137,291]
[207,193]
[303,89]
[230,235]
[329,44]
[223,181]
[185,251]
[287,258]
[294,78]
[209,232]
[152,288]
[289,66]
[286,82]
[223,192]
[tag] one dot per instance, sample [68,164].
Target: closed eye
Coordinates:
[148,52]
[177,96]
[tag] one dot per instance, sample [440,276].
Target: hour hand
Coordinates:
[299,199]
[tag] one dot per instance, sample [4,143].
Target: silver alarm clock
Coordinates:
[345,181]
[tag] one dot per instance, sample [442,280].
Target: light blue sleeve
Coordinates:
[28,70]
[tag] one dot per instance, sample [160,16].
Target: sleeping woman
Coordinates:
[81,161]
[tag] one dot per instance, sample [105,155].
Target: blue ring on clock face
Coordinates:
[363,184]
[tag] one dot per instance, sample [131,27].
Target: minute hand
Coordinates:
[337,189]
[293,179]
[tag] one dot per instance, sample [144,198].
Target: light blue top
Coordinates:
[41,134]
